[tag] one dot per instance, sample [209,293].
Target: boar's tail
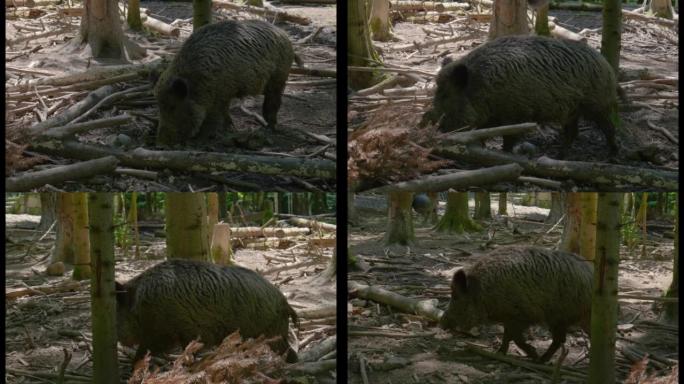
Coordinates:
[299,61]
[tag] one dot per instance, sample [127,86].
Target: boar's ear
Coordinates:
[179,87]
[459,284]
[458,76]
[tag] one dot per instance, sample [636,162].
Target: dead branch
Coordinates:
[30,180]
[66,131]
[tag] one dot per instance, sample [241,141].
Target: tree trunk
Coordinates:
[557,208]
[201,13]
[133,223]
[133,17]
[101,29]
[186,226]
[360,51]
[103,297]
[509,18]
[588,225]
[318,203]
[400,223]
[671,313]
[456,218]
[48,210]
[573,221]
[64,243]
[300,203]
[503,204]
[604,308]
[380,25]
[433,218]
[661,8]
[483,206]
[81,239]
[541,21]
[611,32]
[212,214]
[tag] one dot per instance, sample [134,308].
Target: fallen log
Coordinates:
[456,180]
[277,15]
[415,6]
[194,161]
[314,225]
[242,232]
[425,308]
[605,176]
[57,175]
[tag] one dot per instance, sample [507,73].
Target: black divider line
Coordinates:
[342,192]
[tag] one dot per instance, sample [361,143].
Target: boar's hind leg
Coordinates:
[558,334]
[570,132]
[515,333]
[608,129]
[273,93]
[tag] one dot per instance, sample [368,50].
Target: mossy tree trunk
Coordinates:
[400,220]
[509,18]
[81,239]
[201,13]
[541,21]
[456,218]
[671,313]
[103,297]
[133,222]
[266,211]
[503,204]
[380,26]
[223,205]
[588,225]
[483,206]
[604,309]
[573,222]
[133,16]
[101,29]
[360,51]
[641,219]
[611,32]
[186,226]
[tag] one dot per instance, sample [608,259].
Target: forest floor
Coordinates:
[39,327]
[408,348]
[306,129]
[648,135]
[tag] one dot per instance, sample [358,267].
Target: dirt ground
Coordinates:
[648,52]
[38,327]
[408,348]
[306,120]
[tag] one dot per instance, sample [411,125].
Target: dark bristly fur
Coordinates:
[176,301]
[518,79]
[520,287]
[219,62]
